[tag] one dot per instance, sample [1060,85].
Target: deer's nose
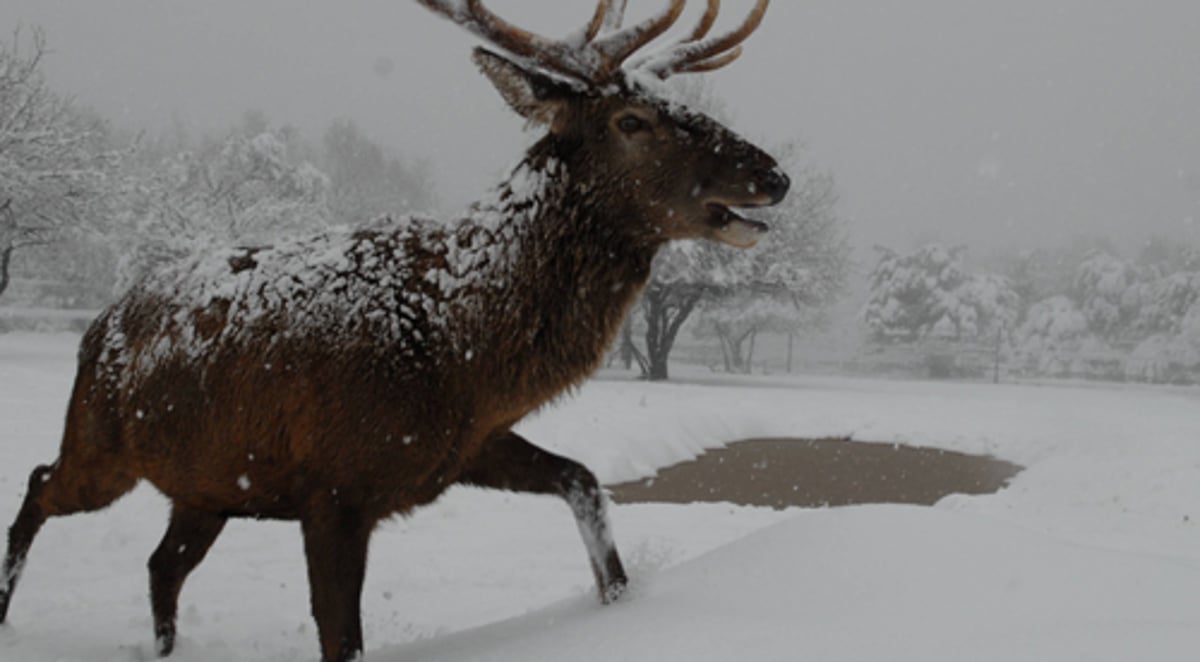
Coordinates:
[775,183]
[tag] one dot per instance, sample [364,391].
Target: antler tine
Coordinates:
[598,20]
[616,16]
[607,18]
[736,37]
[706,21]
[695,56]
[617,47]
[715,62]
[698,32]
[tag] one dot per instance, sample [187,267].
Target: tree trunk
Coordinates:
[750,352]
[996,358]
[8,238]
[5,261]
[739,361]
[667,308]
[723,340]
[791,336]
[736,362]
[627,344]
[657,371]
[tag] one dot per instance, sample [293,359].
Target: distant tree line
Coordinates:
[1078,311]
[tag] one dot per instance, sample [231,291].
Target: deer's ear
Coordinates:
[536,97]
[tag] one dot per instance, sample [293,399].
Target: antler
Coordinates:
[694,56]
[584,57]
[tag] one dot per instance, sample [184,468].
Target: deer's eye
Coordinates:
[632,124]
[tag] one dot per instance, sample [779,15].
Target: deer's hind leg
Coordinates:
[63,488]
[510,462]
[89,474]
[189,536]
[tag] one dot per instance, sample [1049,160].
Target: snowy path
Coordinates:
[1093,553]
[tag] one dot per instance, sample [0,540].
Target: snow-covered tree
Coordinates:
[1102,289]
[55,170]
[927,294]
[248,191]
[1035,274]
[1166,328]
[1168,358]
[1160,305]
[907,291]
[981,307]
[1052,336]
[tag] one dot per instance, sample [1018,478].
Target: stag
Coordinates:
[346,377]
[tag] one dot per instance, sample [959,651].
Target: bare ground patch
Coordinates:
[820,472]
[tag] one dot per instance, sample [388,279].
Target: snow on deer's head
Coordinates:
[676,172]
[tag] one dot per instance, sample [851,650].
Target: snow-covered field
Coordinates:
[1093,553]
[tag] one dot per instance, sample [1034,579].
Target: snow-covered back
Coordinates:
[397,282]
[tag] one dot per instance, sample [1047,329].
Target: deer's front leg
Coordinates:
[509,462]
[335,544]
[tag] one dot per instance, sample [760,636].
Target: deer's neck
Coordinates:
[567,273]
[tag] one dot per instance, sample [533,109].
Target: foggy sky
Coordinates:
[1000,122]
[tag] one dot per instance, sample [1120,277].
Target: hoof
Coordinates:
[613,592]
[5,594]
[164,642]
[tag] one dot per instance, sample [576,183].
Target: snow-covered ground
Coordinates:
[1093,553]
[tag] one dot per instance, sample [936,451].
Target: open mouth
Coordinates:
[733,228]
